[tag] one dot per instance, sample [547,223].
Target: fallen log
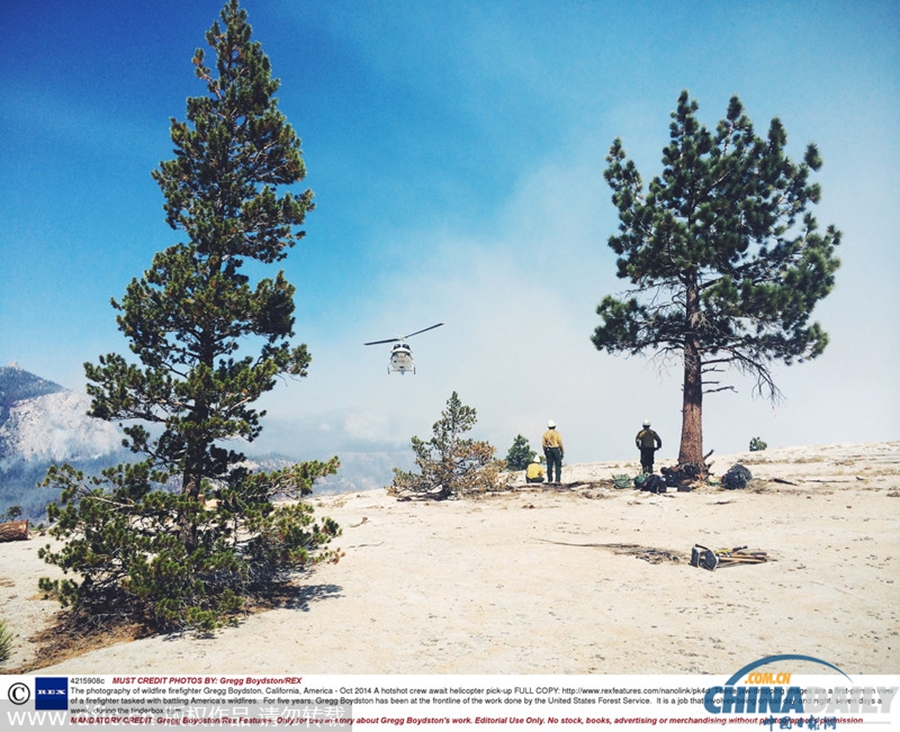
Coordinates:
[782,480]
[14,531]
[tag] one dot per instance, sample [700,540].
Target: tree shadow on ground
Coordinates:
[308,594]
[65,639]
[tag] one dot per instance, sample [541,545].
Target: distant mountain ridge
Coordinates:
[42,423]
[17,385]
[41,420]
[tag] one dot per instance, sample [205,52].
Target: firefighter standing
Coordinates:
[648,442]
[553,451]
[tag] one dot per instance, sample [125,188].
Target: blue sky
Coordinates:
[456,151]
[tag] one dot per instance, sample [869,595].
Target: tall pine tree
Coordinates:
[726,259]
[209,343]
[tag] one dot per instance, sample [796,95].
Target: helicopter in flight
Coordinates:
[401,353]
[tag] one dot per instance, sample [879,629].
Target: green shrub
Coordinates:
[125,538]
[520,454]
[449,464]
[757,444]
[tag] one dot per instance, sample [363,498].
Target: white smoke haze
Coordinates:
[519,310]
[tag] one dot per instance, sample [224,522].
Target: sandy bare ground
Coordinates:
[557,581]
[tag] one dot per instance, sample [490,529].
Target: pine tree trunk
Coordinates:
[196,458]
[691,450]
[190,489]
[187,526]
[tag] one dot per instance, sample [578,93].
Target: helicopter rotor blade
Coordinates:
[376,343]
[430,327]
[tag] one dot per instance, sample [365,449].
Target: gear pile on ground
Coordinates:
[681,475]
[702,556]
[737,476]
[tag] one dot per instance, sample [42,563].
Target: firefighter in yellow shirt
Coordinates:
[534,473]
[553,451]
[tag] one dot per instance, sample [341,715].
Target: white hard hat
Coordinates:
[551,424]
[646,423]
[536,459]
